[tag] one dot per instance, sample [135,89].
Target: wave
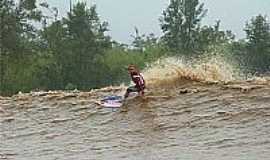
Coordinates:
[173,71]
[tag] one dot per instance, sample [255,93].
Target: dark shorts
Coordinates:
[133,89]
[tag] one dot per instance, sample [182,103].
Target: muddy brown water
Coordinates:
[194,121]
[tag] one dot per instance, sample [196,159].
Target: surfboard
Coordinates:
[112,101]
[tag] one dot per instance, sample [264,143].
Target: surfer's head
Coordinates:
[132,68]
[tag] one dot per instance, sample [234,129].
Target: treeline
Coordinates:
[40,51]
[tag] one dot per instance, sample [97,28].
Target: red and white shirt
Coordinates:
[138,79]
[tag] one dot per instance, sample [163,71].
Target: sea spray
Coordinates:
[173,71]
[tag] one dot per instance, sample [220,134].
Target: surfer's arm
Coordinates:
[140,87]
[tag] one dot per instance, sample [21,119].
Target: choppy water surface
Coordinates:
[195,121]
[192,111]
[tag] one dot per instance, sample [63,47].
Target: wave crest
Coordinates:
[173,71]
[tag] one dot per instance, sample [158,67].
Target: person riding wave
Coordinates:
[138,79]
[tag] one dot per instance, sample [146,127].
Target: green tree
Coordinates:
[211,37]
[76,43]
[87,42]
[7,14]
[180,23]
[143,42]
[138,42]
[16,39]
[258,44]
[53,45]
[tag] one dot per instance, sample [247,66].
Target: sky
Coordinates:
[124,15]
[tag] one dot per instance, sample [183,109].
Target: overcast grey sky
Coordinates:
[124,15]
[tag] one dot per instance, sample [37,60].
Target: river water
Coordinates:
[199,112]
[195,121]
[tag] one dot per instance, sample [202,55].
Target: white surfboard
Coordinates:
[112,102]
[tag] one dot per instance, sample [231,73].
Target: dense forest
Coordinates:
[39,51]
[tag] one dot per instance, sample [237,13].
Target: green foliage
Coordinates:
[258,45]
[180,23]
[87,41]
[75,52]
[138,42]
[210,37]
[75,43]
[16,41]
[28,4]
[10,27]
[70,87]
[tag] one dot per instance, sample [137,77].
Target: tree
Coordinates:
[258,44]
[87,41]
[141,42]
[7,14]
[138,42]
[211,37]
[16,34]
[76,42]
[180,23]
[53,45]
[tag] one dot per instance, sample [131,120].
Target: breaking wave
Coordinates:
[193,109]
[174,71]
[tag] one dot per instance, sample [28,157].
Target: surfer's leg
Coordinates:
[129,90]
[126,95]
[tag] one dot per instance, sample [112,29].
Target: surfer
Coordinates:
[138,79]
